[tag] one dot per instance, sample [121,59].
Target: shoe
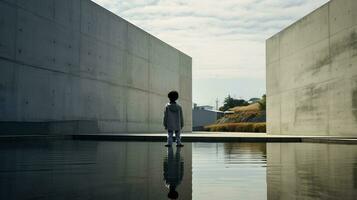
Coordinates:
[167,145]
[179,145]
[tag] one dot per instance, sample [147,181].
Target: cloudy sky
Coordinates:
[225,38]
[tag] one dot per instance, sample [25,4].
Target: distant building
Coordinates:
[253,100]
[228,112]
[205,107]
[203,116]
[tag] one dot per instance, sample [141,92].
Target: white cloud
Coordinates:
[225,38]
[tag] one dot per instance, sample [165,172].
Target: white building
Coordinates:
[203,116]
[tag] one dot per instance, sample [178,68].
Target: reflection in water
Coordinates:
[248,148]
[311,171]
[68,170]
[294,171]
[173,171]
[229,171]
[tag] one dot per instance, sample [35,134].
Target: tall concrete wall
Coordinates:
[77,67]
[312,73]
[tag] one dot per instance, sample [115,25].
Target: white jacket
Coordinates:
[173,117]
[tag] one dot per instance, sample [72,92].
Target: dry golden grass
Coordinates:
[252,107]
[238,127]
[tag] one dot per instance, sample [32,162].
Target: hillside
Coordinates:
[249,118]
[251,113]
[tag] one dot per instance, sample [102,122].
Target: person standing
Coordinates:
[173,119]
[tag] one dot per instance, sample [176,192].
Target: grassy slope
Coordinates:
[244,119]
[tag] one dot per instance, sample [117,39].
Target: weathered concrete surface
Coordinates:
[312,74]
[64,62]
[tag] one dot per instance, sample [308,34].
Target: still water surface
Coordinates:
[229,171]
[68,170]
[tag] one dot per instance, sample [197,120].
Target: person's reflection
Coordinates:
[173,171]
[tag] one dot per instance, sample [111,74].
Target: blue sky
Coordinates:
[226,38]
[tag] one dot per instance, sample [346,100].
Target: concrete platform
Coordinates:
[219,137]
[190,137]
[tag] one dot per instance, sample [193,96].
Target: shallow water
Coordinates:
[229,171]
[88,170]
[311,171]
[68,170]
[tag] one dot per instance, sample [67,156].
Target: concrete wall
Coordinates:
[72,61]
[312,73]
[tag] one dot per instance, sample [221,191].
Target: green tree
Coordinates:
[230,102]
[262,102]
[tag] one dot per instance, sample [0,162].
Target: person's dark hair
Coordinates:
[172,194]
[173,96]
